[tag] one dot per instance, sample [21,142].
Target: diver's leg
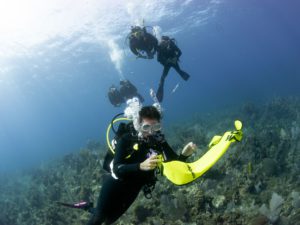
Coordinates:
[128,194]
[160,90]
[182,73]
[107,199]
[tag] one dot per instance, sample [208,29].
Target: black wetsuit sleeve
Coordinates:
[170,155]
[133,48]
[177,50]
[121,168]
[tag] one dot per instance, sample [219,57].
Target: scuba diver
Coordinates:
[141,42]
[128,90]
[168,55]
[115,96]
[133,166]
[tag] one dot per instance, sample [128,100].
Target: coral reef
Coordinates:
[257,182]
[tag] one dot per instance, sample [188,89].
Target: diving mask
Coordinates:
[150,128]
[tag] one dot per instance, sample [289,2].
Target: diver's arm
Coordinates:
[120,167]
[176,49]
[170,155]
[178,52]
[134,50]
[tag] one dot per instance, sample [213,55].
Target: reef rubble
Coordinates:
[257,182]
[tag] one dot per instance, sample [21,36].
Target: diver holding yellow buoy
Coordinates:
[138,153]
[132,162]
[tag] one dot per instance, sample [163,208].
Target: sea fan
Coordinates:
[275,206]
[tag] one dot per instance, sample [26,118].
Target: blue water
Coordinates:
[53,93]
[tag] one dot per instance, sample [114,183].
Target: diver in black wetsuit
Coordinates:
[126,91]
[168,55]
[140,41]
[129,175]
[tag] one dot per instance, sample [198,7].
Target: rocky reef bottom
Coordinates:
[257,182]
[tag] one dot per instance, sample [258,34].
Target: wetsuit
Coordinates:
[117,195]
[168,55]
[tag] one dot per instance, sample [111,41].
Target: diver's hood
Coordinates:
[133,108]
